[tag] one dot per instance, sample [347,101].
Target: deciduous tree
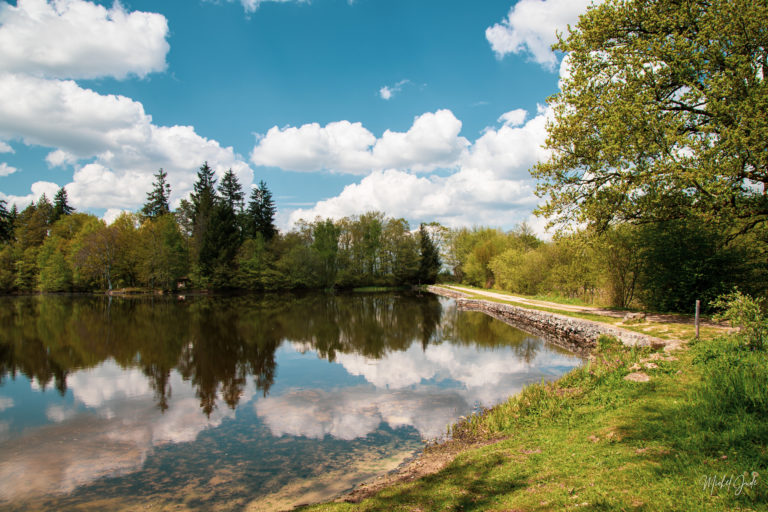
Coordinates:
[662,115]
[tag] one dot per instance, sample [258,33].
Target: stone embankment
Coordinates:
[575,334]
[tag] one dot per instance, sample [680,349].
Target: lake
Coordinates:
[241,402]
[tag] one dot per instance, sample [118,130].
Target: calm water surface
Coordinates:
[238,403]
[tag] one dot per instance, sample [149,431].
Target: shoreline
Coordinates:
[553,327]
[435,457]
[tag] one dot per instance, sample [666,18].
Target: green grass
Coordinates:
[557,299]
[594,441]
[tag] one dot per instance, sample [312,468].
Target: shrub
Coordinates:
[747,313]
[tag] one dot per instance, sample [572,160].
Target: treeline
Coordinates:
[663,266]
[214,240]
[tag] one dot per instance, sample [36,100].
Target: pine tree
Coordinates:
[232,199]
[232,192]
[429,262]
[61,205]
[6,222]
[157,200]
[261,213]
[204,202]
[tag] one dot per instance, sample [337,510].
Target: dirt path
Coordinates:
[594,310]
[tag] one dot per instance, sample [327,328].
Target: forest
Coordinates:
[213,240]
[217,240]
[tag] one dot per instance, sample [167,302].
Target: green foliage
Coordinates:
[399,253]
[748,314]
[157,199]
[26,268]
[163,255]
[7,269]
[215,230]
[231,192]
[662,115]
[480,247]
[255,265]
[429,257]
[31,225]
[261,213]
[61,205]
[681,263]
[520,270]
[6,223]
[325,244]
[55,271]
[620,253]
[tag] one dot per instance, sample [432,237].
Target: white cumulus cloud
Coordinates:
[38,188]
[402,394]
[432,141]
[491,186]
[5,147]
[115,131]
[118,429]
[513,149]
[531,26]
[80,39]
[513,117]
[110,140]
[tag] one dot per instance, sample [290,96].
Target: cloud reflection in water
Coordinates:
[422,388]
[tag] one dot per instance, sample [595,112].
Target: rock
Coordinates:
[634,318]
[651,366]
[637,377]
[635,367]
[574,334]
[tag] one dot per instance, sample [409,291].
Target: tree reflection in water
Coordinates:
[218,342]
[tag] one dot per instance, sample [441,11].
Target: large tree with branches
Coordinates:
[663,115]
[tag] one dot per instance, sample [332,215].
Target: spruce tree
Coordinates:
[204,202]
[261,213]
[157,199]
[429,262]
[6,223]
[232,198]
[231,192]
[61,205]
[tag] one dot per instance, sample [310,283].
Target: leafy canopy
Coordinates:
[663,115]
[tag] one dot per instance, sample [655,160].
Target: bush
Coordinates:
[747,314]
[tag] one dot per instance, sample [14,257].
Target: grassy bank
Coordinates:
[694,437]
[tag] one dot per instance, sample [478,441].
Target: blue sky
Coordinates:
[429,109]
